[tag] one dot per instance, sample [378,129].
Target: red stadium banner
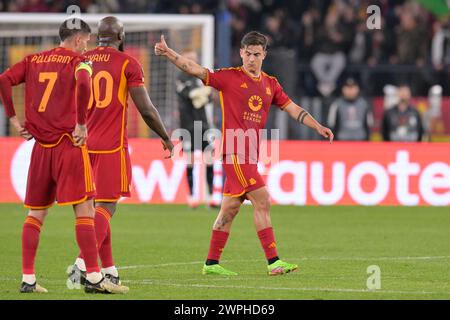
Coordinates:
[306,173]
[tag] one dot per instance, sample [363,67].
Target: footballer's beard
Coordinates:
[122,46]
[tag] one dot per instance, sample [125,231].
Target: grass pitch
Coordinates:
[160,250]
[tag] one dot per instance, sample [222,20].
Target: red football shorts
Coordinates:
[240,178]
[112,175]
[61,172]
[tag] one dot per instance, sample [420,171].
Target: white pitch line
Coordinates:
[377,258]
[160,265]
[197,285]
[292,259]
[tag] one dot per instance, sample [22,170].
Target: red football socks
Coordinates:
[267,239]
[85,235]
[30,241]
[103,233]
[217,243]
[105,250]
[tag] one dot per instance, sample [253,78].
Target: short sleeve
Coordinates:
[216,79]
[134,74]
[17,72]
[280,98]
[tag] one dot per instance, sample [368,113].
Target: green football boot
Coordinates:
[217,269]
[280,267]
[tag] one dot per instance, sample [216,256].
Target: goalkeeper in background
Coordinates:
[193,96]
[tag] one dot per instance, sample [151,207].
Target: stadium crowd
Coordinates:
[329,37]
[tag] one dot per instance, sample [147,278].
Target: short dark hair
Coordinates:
[71,27]
[254,38]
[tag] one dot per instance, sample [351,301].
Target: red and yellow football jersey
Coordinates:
[50,95]
[113,73]
[245,103]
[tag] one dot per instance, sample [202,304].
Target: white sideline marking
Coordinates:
[291,259]
[196,285]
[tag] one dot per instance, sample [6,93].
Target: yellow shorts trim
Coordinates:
[235,195]
[106,200]
[105,151]
[73,202]
[38,207]
[52,145]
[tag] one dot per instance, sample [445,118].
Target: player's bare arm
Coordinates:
[151,115]
[183,63]
[83,76]
[303,117]
[6,97]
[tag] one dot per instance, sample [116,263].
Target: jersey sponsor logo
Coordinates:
[255,117]
[244,85]
[255,103]
[268,91]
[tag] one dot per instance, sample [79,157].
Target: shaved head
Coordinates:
[110,32]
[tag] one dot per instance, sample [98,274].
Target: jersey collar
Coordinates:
[249,75]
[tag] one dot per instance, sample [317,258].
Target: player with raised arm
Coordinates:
[246,95]
[57,91]
[115,74]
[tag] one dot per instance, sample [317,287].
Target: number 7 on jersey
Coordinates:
[43,77]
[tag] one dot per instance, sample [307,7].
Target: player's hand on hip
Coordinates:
[25,134]
[326,133]
[168,145]
[20,129]
[79,135]
[161,47]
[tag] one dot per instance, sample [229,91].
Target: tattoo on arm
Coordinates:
[302,115]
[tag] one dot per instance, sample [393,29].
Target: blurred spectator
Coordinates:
[402,122]
[333,41]
[440,53]
[440,45]
[104,6]
[279,30]
[310,23]
[411,40]
[350,116]
[411,48]
[4,5]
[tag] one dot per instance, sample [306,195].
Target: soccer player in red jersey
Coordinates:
[115,74]
[57,90]
[246,95]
